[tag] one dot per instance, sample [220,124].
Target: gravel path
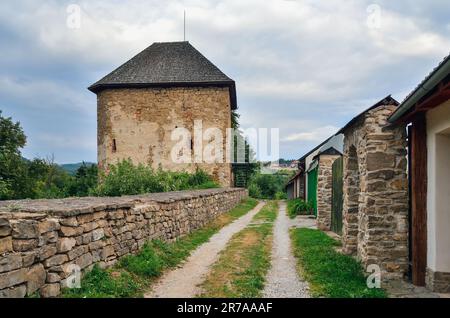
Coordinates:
[282,280]
[183,282]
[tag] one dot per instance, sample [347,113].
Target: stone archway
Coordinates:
[375,212]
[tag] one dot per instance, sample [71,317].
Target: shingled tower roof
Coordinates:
[170,64]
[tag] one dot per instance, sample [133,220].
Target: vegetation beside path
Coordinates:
[242,267]
[133,274]
[328,272]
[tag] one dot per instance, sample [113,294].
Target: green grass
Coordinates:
[299,207]
[100,283]
[329,273]
[134,273]
[242,267]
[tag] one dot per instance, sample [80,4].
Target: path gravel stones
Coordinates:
[282,280]
[183,282]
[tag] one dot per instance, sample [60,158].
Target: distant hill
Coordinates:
[71,168]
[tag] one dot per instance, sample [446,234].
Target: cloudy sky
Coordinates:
[306,67]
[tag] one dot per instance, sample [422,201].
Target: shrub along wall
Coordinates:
[41,240]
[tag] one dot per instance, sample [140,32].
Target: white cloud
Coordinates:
[317,134]
[45,95]
[297,64]
[67,142]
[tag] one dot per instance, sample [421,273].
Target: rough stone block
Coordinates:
[98,234]
[25,245]
[28,258]
[35,278]
[71,231]
[47,251]
[6,244]
[84,260]
[379,160]
[56,260]
[48,226]
[50,290]
[24,229]
[10,262]
[76,252]
[88,227]
[53,278]
[14,292]
[5,229]
[13,278]
[70,221]
[65,244]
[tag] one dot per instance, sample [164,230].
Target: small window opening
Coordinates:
[114,145]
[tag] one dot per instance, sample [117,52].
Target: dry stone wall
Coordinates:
[375,212]
[438,281]
[41,240]
[324,191]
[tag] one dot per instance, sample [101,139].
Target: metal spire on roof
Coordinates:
[184,28]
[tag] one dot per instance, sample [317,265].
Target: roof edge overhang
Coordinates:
[427,85]
[97,88]
[388,100]
[316,147]
[329,151]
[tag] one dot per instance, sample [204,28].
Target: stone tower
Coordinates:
[167,86]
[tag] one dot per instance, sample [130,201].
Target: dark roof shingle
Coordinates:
[165,65]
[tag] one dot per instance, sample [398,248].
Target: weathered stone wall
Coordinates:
[41,239]
[375,213]
[438,282]
[138,123]
[324,191]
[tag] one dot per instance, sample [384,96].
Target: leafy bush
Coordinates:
[266,186]
[125,178]
[254,191]
[299,207]
[281,195]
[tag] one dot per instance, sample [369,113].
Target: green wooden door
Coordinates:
[312,189]
[337,197]
[241,175]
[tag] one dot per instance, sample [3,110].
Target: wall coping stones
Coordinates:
[39,209]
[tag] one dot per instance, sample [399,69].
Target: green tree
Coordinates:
[85,179]
[13,172]
[267,186]
[49,179]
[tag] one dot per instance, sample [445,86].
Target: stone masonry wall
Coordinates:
[375,213]
[438,281]
[40,240]
[324,191]
[138,123]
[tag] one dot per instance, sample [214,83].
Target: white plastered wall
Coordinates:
[438,189]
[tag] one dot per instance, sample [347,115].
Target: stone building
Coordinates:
[375,190]
[166,87]
[312,182]
[295,187]
[426,113]
[325,160]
